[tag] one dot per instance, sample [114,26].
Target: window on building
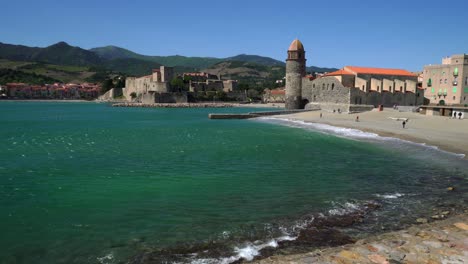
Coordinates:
[333,86]
[440,81]
[445,81]
[323,86]
[328,86]
[313,85]
[363,87]
[378,87]
[466,80]
[390,88]
[401,88]
[454,97]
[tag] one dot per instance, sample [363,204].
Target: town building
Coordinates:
[276,95]
[351,88]
[85,91]
[447,83]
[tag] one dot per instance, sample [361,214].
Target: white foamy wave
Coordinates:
[106,259]
[247,252]
[348,133]
[344,209]
[390,196]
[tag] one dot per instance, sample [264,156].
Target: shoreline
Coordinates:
[445,134]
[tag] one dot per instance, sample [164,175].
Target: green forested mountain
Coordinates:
[256,59]
[58,61]
[60,53]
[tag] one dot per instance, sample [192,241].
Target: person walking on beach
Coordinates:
[404,123]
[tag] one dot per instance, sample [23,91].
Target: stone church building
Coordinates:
[348,89]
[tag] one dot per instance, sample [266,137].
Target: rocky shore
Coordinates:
[443,241]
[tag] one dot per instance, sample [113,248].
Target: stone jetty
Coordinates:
[175,105]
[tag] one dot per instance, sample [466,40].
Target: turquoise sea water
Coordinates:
[88,183]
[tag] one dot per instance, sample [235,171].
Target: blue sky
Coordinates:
[394,34]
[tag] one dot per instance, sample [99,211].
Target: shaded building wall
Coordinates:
[167,73]
[163,98]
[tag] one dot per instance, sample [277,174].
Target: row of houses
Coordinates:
[86,91]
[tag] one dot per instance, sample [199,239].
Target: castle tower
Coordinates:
[295,70]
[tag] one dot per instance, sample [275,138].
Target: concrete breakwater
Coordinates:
[254,114]
[175,105]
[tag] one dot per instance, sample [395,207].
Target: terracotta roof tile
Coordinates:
[379,71]
[339,72]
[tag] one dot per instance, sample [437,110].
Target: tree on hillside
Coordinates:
[178,84]
[120,82]
[106,86]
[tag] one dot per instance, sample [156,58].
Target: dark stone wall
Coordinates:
[294,72]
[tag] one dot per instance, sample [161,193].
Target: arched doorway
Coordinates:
[442,102]
[304,103]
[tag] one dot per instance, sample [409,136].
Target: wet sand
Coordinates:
[443,132]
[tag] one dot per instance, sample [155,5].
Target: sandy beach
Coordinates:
[443,132]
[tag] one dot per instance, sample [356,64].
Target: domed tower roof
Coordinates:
[296,45]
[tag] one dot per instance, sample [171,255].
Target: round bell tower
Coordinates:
[295,70]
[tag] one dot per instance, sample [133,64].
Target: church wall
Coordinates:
[375,84]
[348,80]
[410,86]
[358,97]
[361,84]
[387,85]
[325,90]
[374,98]
[399,85]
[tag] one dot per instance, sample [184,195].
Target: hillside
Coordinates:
[66,63]
[60,53]
[193,63]
[14,76]
[256,59]
[60,73]
[196,63]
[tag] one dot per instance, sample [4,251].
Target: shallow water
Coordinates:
[88,183]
